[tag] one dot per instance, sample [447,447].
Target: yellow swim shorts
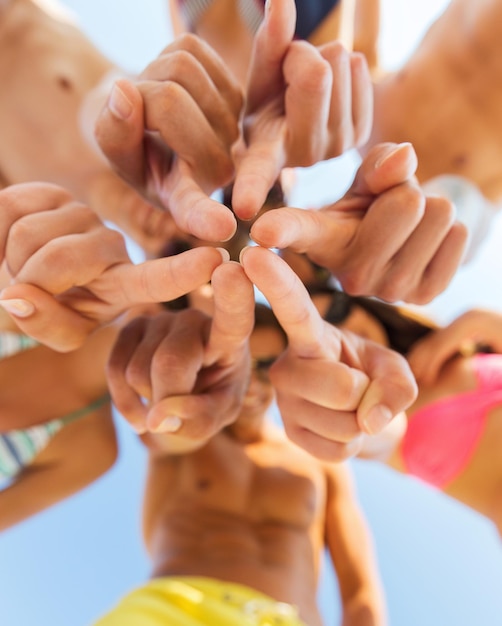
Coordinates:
[187,601]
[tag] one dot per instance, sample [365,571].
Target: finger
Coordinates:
[194,212]
[362,99]
[385,166]
[327,383]
[216,69]
[119,131]
[382,232]
[405,276]
[30,233]
[116,201]
[168,106]
[289,300]
[392,388]
[329,424]
[340,123]
[443,265]
[257,170]
[17,201]
[310,81]
[329,450]
[233,315]
[298,229]
[161,280]
[75,259]
[39,315]
[200,416]
[184,69]
[178,356]
[127,401]
[271,43]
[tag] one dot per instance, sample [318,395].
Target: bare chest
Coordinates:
[262,483]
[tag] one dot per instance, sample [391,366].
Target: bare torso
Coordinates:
[46,68]
[447,99]
[248,513]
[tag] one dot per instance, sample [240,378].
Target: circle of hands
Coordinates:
[176,133]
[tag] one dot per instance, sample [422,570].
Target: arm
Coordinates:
[475,328]
[78,455]
[351,549]
[367,30]
[47,69]
[55,82]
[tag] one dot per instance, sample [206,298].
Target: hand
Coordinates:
[192,370]
[383,238]
[331,385]
[169,134]
[70,274]
[117,202]
[304,104]
[476,327]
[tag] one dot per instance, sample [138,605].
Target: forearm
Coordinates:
[350,545]
[367,30]
[363,610]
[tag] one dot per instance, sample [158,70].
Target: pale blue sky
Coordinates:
[441,564]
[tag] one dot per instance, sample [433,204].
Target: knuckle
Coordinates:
[136,377]
[441,208]
[358,281]
[411,201]
[335,52]
[19,233]
[397,285]
[181,63]
[189,42]
[168,363]
[425,292]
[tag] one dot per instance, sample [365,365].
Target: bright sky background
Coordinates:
[441,564]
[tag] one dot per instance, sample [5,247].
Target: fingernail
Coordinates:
[243,252]
[139,430]
[119,104]
[377,419]
[224,254]
[268,5]
[18,307]
[388,156]
[170,425]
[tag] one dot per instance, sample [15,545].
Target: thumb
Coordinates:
[298,229]
[385,166]
[163,279]
[42,317]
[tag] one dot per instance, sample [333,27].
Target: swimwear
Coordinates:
[188,601]
[443,436]
[475,211]
[18,448]
[310,13]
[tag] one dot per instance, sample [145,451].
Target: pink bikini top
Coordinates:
[442,436]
